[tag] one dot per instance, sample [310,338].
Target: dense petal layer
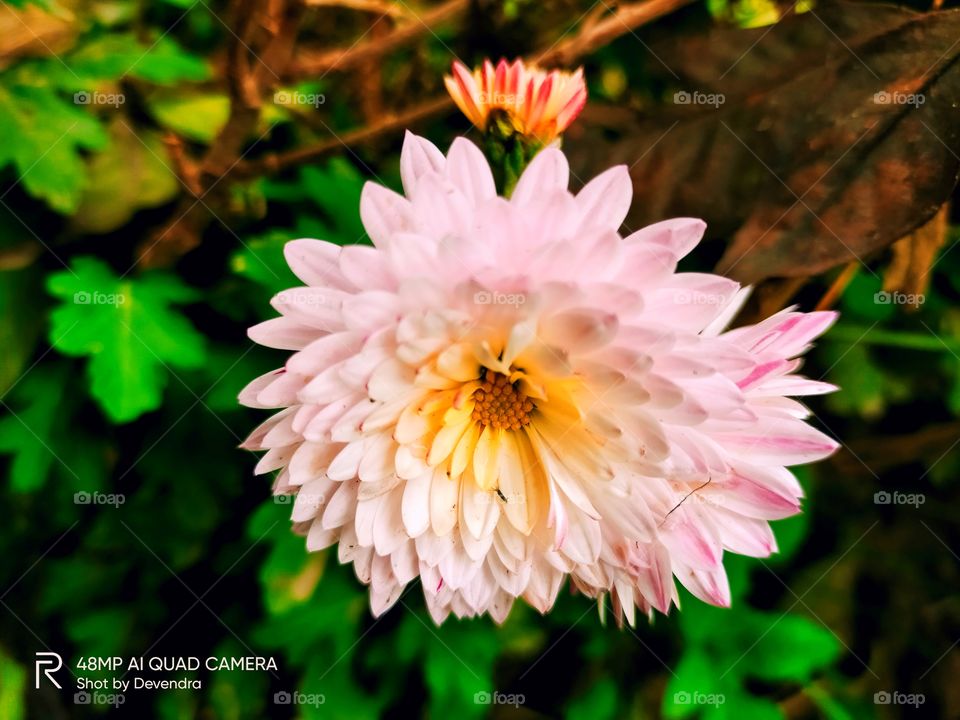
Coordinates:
[503,394]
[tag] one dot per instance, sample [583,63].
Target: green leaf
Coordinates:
[860,299]
[82,580]
[832,708]
[19,323]
[739,705]
[228,370]
[27,434]
[694,678]
[196,116]
[43,136]
[791,648]
[261,260]
[336,188]
[37,430]
[114,56]
[334,613]
[127,329]
[13,683]
[861,381]
[343,698]
[102,631]
[333,188]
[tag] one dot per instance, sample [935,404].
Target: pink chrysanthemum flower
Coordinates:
[503,393]
[536,103]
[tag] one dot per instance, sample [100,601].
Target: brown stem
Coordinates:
[310,64]
[392,121]
[263,54]
[380,7]
[838,286]
[261,49]
[591,36]
[625,19]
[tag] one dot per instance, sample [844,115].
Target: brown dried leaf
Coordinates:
[35,32]
[803,162]
[914,255]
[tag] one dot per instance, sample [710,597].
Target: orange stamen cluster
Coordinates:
[501,405]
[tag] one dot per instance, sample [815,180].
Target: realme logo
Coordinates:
[50,662]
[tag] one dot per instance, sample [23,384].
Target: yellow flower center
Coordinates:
[500,404]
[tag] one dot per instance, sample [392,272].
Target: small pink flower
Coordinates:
[536,103]
[503,394]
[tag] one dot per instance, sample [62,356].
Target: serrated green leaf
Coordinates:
[44,135]
[128,330]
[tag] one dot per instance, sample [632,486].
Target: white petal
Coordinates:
[605,200]
[416,504]
[444,498]
[468,169]
[547,172]
[384,213]
[417,157]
